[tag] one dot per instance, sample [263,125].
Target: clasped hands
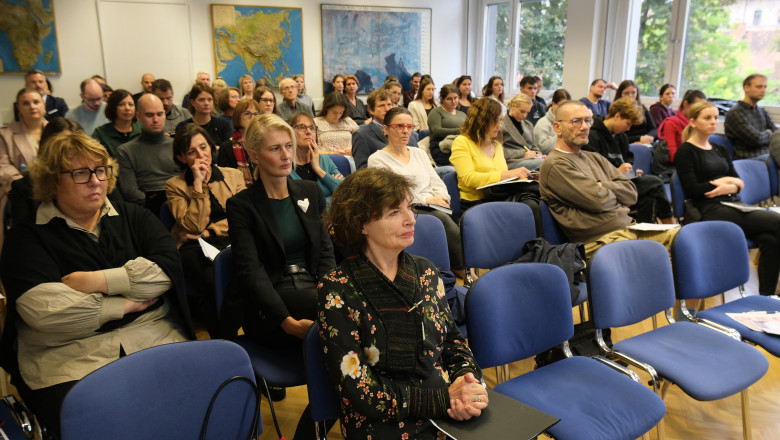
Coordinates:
[467,398]
[724,186]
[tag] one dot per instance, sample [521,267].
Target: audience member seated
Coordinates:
[594,100]
[370,137]
[644,132]
[201,78]
[423,104]
[749,126]
[290,104]
[280,248]
[587,195]
[334,127]
[465,97]
[672,127]
[375,354]
[120,110]
[87,282]
[520,149]
[147,79]
[232,153]
[246,86]
[309,163]
[414,87]
[146,162]
[55,107]
[23,205]
[663,108]
[174,114]
[201,107]
[708,178]
[107,91]
[427,189]
[607,137]
[445,122]
[494,90]
[529,86]
[544,135]
[227,100]
[338,83]
[197,198]
[262,82]
[305,99]
[355,109]
[91,113]
[396,95]
[265,96]
[218,86]
[478,158]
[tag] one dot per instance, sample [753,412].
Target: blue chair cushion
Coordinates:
[279,366]
[695,358]
[589,398]
[752,303]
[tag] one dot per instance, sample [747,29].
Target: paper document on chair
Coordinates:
[743,208]
[767,322]
[774,209]
[652,226]
[209,251]
[505,181]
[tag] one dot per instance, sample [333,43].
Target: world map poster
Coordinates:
[373,42]
[28,37]
[259,41]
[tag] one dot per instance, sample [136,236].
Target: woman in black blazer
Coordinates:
[280,248]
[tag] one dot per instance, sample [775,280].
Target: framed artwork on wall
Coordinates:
[28,38]
[372,42]
[261,41]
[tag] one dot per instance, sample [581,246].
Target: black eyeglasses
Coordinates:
[83,175]
[303,128]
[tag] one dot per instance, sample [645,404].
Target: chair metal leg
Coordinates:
[582,312]
[506,372]
[655,323]
[659,429]
[664,389]
[746,433]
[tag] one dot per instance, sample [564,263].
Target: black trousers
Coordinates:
[299,294]
[763,227]
[652,201]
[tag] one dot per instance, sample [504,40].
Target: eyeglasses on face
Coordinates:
[303,128]
[267,100]
[577,122]
[249,114]
[83,175]
[402,127]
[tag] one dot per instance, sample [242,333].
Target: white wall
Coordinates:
[81,53]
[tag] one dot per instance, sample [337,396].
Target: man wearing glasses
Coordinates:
[91,113]
[174,114]
[586,194]
[291,104]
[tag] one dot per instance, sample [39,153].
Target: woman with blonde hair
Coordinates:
[708,178]
[306,100]
[218,85]
[246,86]
[518,134]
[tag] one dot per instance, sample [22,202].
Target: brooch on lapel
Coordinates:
[303,204]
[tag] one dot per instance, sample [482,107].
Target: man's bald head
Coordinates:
[92,94]
[150,113]
[572,125]
[146,82]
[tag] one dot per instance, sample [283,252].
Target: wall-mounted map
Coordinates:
[373,42]
[28,37]
[260,41]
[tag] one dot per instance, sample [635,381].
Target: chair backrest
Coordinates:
[629,281]
[709,258]
[166,216]
[771,168]
[223,271]
[756,178]
[323,397]
[342,163]
[643,158]
[517,311]
[430,241]
[164,392]
[722,140]
[423,134]
[678,196]
[552,230]
[451,182]
[494,233]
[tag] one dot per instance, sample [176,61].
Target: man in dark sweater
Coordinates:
[146,162]
[529,86]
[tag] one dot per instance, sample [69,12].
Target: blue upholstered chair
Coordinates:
[451,182]
[342,163]
[756,177]
[520,310]
[723,140]
[166,216]
[323,398]
[705,267]
[277,367]
[678,196]
[643,158]
[430,242]
[631,281]
[165,392]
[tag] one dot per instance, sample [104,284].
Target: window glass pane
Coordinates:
[497,39]
[654,28]
[541,36]
[723,46]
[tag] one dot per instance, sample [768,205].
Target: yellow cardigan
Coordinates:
[474,168]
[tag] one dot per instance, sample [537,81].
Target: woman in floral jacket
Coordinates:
[392,346]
